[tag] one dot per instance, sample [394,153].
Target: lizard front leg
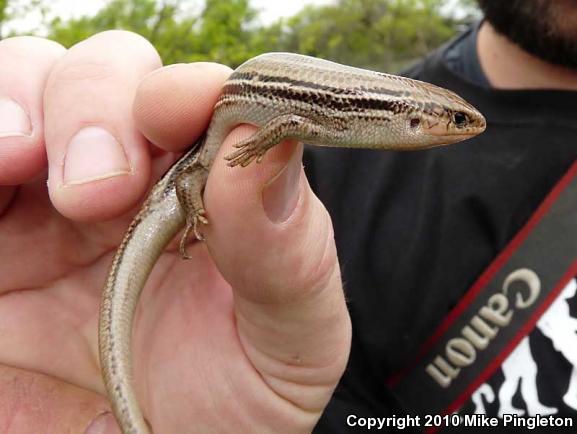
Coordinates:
[288,126]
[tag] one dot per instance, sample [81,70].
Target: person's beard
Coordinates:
[544,28]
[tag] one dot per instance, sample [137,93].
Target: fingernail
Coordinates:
[103,424]
[14,120]
[281,194]
[94,153]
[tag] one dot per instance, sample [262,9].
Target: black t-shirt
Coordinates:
[414,231]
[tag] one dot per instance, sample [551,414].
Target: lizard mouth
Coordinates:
[441,134]
[444,130]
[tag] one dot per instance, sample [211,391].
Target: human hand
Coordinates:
[251,337]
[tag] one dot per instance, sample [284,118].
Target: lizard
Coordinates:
[285,95]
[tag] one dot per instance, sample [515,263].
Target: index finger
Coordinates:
[173,105]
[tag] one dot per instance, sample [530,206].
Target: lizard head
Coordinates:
[442,117]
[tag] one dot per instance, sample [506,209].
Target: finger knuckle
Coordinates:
[29,46]
[129,44]
[92,59]
[122,36]
[71,72]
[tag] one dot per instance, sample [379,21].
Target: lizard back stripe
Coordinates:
[286,80]
[327,99]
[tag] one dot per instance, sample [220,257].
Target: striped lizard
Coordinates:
[287,96]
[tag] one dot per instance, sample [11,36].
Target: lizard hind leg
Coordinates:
[189,188]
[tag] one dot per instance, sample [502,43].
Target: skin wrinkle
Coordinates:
[255,371]
[8,195]
[88,263]
[294,393]
[70,264]
[64,380]
[84,70]
[80,340]
[275,368]
[33,404]
[279,365]
[274,390]
[289,361]
[81,322]
[284,398]
[85,323]
[65,229]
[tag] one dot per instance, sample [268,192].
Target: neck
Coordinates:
[507,66]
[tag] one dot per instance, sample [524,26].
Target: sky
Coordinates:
[270,10]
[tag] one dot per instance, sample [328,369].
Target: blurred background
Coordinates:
[384,35]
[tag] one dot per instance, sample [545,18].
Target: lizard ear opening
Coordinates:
[415,122]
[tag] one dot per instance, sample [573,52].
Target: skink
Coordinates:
[286,96]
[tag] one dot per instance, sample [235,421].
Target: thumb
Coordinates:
[272,239]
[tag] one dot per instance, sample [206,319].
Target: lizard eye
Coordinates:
[460,119]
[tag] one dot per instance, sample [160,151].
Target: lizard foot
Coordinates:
[193,222]
[248,151]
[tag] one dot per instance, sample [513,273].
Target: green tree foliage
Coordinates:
[226,31]
[221,32]
[378,34]
[143,16]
